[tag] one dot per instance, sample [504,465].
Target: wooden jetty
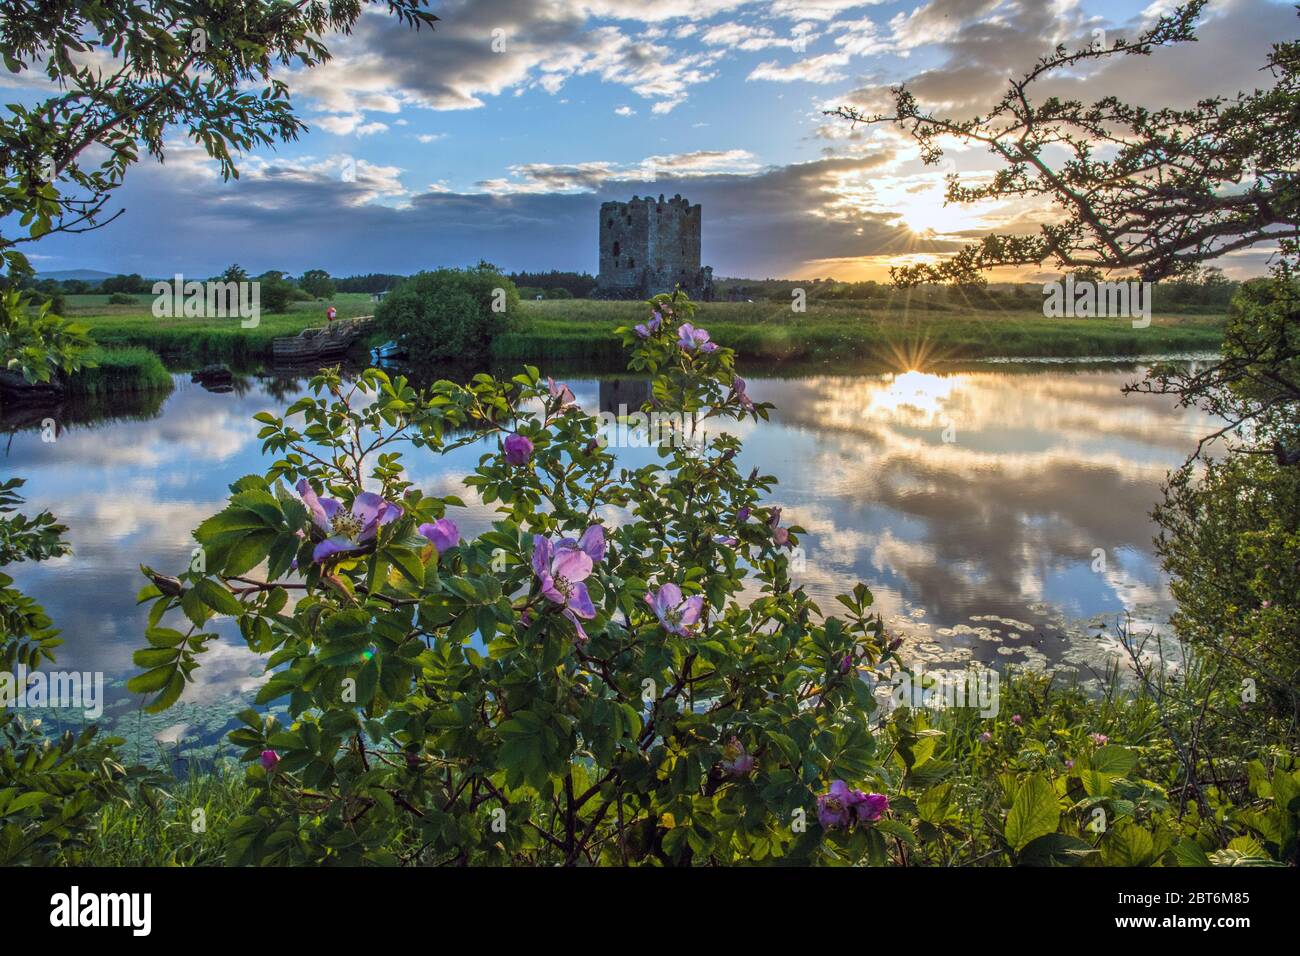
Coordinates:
[325,342]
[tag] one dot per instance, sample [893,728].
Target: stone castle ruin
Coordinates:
[649,247]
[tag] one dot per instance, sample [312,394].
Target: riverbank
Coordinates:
[107,372]
[116,370]
[898,330]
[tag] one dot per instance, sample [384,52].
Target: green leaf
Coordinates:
[249,552]
[218,598]
[1094,783]
[169,695]
[408,563]
[24,800]
[151,681]
[1127,844]
[1113,761]
[1189,853]
[896,829]
[934,805]
[1034,811]
[163,637]
[1285,791]
[150,657]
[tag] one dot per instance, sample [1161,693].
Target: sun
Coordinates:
[925,214]
[919,392]
[924,211]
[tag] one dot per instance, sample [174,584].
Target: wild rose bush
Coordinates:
[619,672]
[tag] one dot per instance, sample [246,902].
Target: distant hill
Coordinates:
[88,275]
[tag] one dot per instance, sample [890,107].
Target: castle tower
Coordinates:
[648,247]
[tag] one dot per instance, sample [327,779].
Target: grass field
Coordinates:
[912,329]
[918,333]
[201,340]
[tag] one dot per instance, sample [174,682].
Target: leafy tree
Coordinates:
[1230,528]
[1156,191]
[126,72]
[1230,539]
[1205,287]
[1255,386]
[275,292]
[1151,191]
[449,314]
[234,273]
[132,284]
[317,283]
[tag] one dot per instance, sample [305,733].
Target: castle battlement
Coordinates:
[649,246]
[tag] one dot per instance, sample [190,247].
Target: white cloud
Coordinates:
[817,69]
[741,36]
[490,48]
[860,37]
[816,9]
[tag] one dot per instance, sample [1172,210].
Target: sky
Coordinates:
[497,135]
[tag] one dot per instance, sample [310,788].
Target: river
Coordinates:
[999,512]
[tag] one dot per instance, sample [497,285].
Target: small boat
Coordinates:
[387,351]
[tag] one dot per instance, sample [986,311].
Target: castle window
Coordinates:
[629,220]
[609,223]
[616,249]
[631,263]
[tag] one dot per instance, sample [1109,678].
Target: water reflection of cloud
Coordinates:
[1046,467]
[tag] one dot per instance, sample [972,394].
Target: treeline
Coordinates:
[371,282]
[1207,290]
[1204,290]
[553,284]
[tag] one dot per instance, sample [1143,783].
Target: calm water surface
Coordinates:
[972,502]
